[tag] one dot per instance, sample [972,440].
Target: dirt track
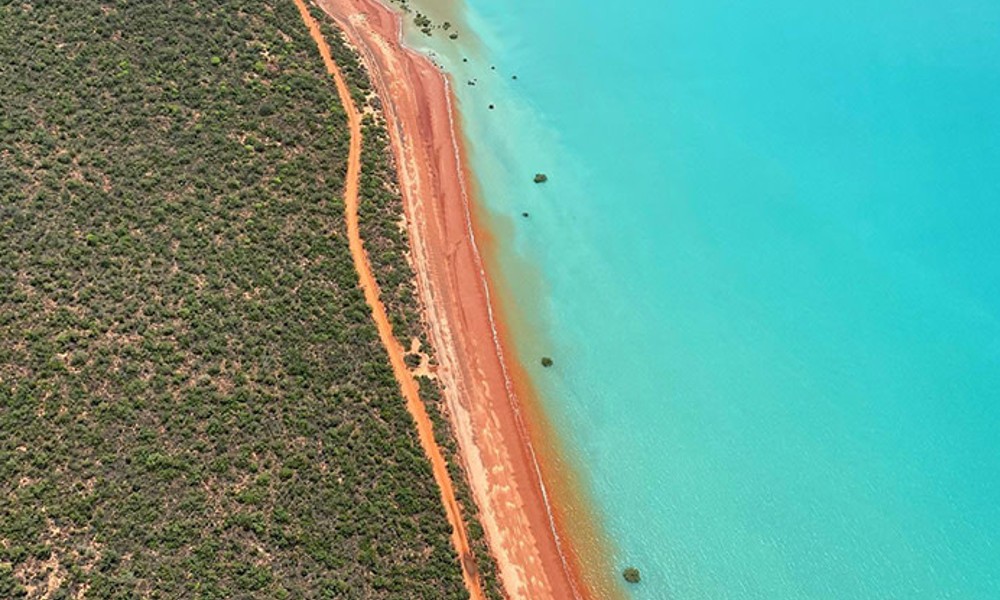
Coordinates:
[407,384]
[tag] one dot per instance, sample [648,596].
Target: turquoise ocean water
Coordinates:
[767,265]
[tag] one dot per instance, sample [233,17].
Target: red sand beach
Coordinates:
[488,406]
[369,285]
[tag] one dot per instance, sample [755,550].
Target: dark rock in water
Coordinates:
[453,36]
[465,60]
[513,76]
[546,362]
[525,215]
[541,178]
[492,107]
[471,82]
[631,575]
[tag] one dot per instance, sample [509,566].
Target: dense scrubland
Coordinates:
[193,399]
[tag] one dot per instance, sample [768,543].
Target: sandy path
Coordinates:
[407,384]
[485,403]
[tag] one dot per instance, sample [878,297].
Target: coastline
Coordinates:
[408,385]
[485,390]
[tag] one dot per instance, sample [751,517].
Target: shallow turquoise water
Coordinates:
[770,262]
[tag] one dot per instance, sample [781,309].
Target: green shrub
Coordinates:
[631,575]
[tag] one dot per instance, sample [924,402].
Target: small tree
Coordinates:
[631,575]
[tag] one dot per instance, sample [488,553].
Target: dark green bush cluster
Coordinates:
[423,22]
[631,575]
[193,399]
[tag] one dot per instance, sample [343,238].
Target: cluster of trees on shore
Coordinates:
[424,22]
[193,399]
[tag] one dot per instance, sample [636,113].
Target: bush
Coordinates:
[197,377]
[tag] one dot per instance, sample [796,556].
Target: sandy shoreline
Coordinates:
[408,385]
[501,463]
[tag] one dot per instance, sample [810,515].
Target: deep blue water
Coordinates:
[767,265]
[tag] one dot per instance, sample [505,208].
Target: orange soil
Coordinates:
[407,384]
[491,410]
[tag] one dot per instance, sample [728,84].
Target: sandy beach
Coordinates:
[480,395]
[369,285]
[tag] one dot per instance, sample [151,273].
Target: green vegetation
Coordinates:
[631,575]
[423,22]
[193,399]
[384,230]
